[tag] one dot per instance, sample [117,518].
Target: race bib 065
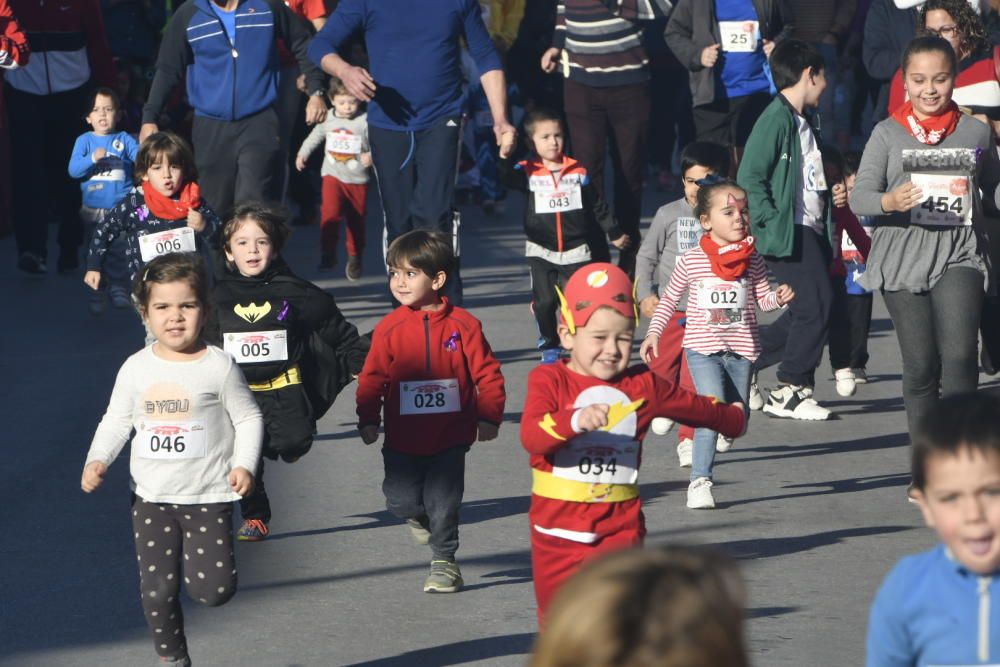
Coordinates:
[343,143]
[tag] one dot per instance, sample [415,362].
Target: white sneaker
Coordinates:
[661,425]
[756,400]
[860,376]
[723,444]
[792,402]
[684,452]
[846,384]
[700,494]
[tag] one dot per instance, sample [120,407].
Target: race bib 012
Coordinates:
[254,347]
[739,36]
[425,397]
[152,246]
[723,301]
[170,441]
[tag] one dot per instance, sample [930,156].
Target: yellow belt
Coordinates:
[547,485]
[286,379]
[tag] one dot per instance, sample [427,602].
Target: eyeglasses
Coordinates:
[945,31]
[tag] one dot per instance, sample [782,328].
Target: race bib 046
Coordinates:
[170,440]
[152,246]
[739,36]
[425,397]
[254,347]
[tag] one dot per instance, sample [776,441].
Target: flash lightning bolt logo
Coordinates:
[547,424]
[619,411]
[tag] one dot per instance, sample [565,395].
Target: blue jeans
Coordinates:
[726,376]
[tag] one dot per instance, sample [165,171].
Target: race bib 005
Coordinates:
[170,440]
[739,36]
[152,246]
[255,347]
[425,397]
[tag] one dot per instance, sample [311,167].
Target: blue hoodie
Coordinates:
[932,612]
[107,180]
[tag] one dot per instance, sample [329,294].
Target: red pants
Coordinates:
[342,201]
[553,559]
[671,364]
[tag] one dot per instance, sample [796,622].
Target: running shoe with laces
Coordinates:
[685,449]
[860,375]
[723,444]
[846,383]
[252,530]
[119,297]
[794,402]
[420,529]
[354,268]
[700,494]
[445,577]
[756,399]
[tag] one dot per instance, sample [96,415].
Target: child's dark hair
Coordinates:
[929,44]
[431,252]
[852,162]
[116,101]
[709,186]
[337,87]
[168,145]
[271,220]
[964,421]
[975,39]
[706,154]
[663,607]
[540,115]
[188,267]
[790,59]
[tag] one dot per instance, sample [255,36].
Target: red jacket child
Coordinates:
[436,377]
[585,492]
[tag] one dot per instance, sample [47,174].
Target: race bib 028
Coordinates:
[152,246]
[425,397]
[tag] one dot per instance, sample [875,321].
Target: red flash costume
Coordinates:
[585,492]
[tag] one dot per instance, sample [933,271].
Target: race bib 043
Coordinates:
[170,440]
[739,36]
[152,246]
[255,347]
[425,397]
[567,198]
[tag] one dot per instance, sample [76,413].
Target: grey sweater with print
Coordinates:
[913,257]
[674,230]
[345,167]
[206,401]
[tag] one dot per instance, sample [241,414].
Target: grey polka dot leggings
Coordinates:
[166,535]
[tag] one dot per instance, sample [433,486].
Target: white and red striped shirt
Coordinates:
[706,332]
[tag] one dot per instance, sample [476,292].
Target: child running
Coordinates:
[561,219]
[432,373]
[583,424]
[163,214]
[720,338]
[265,316]
[934,608]
[103,160]
[346,160]
[673,232]
[196,443]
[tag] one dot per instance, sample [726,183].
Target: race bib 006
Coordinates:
[255,347]
[739,36]
[152,246]
[425,397]
[170,440]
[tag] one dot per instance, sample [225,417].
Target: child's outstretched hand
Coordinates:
[93,279]
[300,163]
[241,481]
[196,220]
[648,305]
[622,242]
[369,434]
[593,417]
[487,431]
[93,476]
[902,198]
[785,294]
[366,159]
[648,349]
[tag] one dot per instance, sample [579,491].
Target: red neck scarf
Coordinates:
[167,208]
[931,131]
[729,262]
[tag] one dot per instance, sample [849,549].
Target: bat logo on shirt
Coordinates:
[252,312]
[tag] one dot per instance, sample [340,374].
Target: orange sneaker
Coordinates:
[252,530]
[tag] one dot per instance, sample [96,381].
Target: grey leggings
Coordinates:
[938,335]
[166,535]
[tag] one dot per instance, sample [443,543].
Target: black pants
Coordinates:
[544,278]
[797,337]
[288,433]
[729,121]
[198,536]
[237,160]
[938,332]
[850,321]
[431,486]
[43,129]
[619,116]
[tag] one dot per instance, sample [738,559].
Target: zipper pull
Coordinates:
[235,54]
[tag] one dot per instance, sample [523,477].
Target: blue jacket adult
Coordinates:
[932,611]
[414,51]
[228,80]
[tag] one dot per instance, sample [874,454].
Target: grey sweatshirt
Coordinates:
[913,257]
[674,230]
[194,422]
[344,166]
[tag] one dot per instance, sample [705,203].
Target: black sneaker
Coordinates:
[68,262]
[31,263]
